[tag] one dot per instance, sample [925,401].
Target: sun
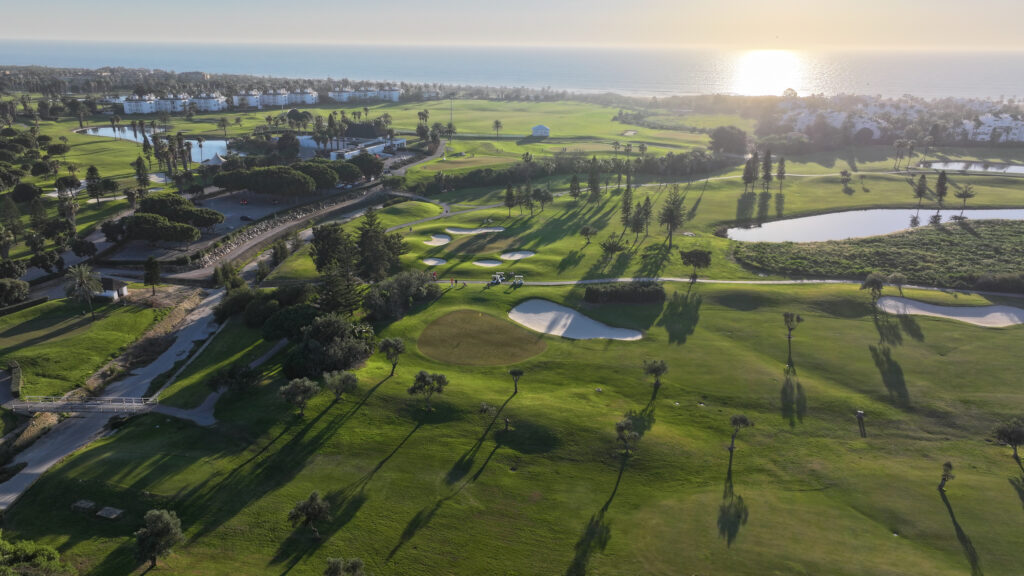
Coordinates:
[768,72]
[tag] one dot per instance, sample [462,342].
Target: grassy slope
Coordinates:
[236,343]
[447,495]
[59,348]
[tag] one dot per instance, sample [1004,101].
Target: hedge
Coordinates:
[16,378]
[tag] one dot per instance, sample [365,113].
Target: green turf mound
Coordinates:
[472,338]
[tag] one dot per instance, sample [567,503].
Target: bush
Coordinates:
[156,228]
[179,209]
[25,192]
[235,302]
[259,310]
[323,176]
[330,343]
[17,380]
[12,291]
[630,293]
[394,297]
[288,322]
[23,305]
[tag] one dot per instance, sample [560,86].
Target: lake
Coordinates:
[855,224]
[210,146]
[977,167]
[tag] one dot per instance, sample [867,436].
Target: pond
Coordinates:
[855,224]
[210,146]
[990,167]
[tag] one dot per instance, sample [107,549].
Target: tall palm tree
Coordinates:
[199,141]
[643,149]
[497,129]
[80,283]
[616,146]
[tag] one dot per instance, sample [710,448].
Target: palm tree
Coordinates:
[792,321]
[199,141]
[516,374]
[80,283]
[497,129]
[656,368]
[643,149]
[899,145]
[965,194]
[223,125]
[616,146]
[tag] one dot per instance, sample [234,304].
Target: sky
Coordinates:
[738,24]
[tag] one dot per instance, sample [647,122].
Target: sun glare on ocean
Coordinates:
[767,72]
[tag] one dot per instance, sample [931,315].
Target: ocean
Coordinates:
[631,71]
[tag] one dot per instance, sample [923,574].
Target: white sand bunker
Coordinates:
[487,263]
[486,230]
[438,240]
[550,318]
[988,316]
[434,261]
[517,255]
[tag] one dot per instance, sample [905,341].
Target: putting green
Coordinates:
[471,338]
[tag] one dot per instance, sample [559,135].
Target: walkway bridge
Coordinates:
[110,404]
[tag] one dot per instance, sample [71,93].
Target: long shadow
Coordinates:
[682,313]
[732,512]
[596,533]
[892,374]
[653,259]
[910,327]
[793,397]
[1018,486]
[464,464]
[571,260]
[965,541]
[889,333]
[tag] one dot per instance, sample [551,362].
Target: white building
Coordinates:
[541,131]
[250,99]
[277,98]
[212,102]
[135,104]
[305,96]
[173,103]
[389,93]
[371,147]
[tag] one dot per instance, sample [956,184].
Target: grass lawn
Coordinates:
[59,347]
[474,338]
[453,492]
[235,343]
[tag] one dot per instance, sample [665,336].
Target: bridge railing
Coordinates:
[113,404]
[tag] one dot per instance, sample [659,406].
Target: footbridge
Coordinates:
[110,404]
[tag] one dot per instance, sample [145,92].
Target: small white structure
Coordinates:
[113,289]
[135,104]
[217,160]
[541,131]
[379,146]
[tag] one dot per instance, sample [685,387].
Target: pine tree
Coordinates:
[766,170]
[339,290]
[574,187]
[626,210]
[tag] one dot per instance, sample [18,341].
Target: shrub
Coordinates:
[235,302]
[631,293]
[12,291]
[288,322]
[17,380]
[156,228]
[25,192]
[259,310]
[394,297]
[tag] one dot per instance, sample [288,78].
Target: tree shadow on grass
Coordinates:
[682,312]
[793,397]
[889,333]
[653,259]
[571,260]
[732,512]
[910,327]
[464,464]
[965,541]
[892,374]
[596,533]
[1018,487]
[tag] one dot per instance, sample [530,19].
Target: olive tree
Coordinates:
[427,384]
[298,392]
[161,533]
[656,368]
[392,348]
[516,374]
[1011,433]
[738,422]
[310,512]
[340,382]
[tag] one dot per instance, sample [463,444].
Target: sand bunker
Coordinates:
[550,318]
[438,240]
[517,255]
[434,261]
[474,230]
[988,316]
[488,263]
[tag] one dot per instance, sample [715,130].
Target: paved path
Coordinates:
[203,414]
[74,433]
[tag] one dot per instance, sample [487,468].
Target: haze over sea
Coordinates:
[631,71]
